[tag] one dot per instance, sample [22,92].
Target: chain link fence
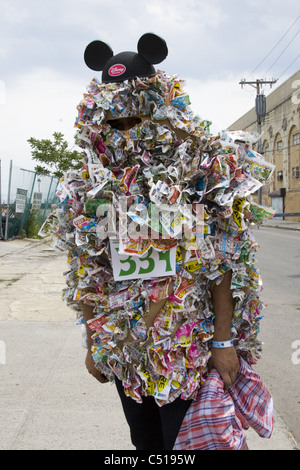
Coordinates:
[25,202]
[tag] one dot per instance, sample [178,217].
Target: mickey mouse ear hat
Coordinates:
[151,50]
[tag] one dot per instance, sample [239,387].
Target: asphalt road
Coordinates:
[279,260]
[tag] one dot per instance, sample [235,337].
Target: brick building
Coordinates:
[280,145]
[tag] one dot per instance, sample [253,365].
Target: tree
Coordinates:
[55,155]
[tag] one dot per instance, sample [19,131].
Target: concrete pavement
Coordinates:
[47,398]
[282,224]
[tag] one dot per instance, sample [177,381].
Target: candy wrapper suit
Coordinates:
[200,186]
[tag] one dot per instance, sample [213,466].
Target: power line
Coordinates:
[289,66]
[283,51]
[274,47]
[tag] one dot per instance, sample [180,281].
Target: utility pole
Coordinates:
[261,110]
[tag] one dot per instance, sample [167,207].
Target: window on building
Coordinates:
[279,146]
[296,172]
[266,149]
[296,139]
[279,175]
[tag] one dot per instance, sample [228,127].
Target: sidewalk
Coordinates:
[17,245]
[283,224]
[48,399]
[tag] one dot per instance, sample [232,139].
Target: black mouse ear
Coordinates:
[152,48]
[96,55]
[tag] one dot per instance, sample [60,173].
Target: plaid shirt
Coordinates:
[216,419]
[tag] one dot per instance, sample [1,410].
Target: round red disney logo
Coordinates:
[117,69]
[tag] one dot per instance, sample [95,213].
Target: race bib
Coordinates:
[151,265]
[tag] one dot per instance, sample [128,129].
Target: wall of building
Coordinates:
[280,144]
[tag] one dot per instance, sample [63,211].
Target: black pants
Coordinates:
[153,427]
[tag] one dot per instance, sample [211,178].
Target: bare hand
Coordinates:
[226,362]
[90,365]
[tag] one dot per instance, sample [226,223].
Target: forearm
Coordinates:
[88,314]
[223,305]
[225,360]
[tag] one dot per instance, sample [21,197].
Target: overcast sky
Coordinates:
[212,44]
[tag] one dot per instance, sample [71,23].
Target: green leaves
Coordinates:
[54,156]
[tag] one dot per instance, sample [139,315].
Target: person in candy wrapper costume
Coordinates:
[157,226]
